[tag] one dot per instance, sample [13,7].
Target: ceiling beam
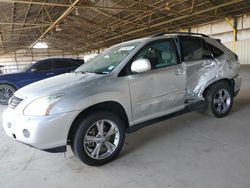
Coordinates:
[193,6]
[82,7]
[35,3]
[23,23]
[26,15]
[178,18]
[63,15]
[25,28]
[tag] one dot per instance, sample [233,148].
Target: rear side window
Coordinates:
[194,48]
[215,51]
[77,63]
[62,64]
[43,66]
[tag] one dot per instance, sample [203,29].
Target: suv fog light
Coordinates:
[26,133]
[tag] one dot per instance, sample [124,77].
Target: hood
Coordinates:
[57,84]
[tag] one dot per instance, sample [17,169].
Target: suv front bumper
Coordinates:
[47,133]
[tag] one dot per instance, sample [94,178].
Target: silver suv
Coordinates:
[126,87]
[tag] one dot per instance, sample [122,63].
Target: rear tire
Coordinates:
[6,92]
[99,138]
[219,99]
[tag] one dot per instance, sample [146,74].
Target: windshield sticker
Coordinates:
[111,67]
[126,48]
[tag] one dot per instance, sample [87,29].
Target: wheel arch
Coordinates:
[110,106]
[8,83]
[230,82]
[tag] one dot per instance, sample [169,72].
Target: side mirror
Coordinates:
[33,70]
[141,65]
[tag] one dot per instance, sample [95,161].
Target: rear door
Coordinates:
[161,90]
[201,65]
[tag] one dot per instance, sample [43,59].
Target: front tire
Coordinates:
[99,138]
[6,92]
[219,99]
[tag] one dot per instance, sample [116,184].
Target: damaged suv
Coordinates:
[126,87]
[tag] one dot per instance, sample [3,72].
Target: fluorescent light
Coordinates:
[40,45]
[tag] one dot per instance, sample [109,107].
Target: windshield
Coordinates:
[108,60]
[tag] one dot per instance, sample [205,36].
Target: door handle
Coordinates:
[50,74]
[178,71]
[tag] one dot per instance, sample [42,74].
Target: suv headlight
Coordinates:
[42,106]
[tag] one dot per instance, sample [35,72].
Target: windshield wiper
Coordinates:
[81,72]
[101,72]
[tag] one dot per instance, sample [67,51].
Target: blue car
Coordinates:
[9,83]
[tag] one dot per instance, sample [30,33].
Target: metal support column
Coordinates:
[234,28]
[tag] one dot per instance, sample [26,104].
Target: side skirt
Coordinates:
[60,149]
[188,108]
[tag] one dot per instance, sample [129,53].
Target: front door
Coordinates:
[38,71]
[162,89]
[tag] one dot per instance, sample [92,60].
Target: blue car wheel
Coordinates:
[6,92]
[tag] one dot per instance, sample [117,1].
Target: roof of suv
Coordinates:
[180,33]
[169,34]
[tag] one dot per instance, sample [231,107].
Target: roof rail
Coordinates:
[179,33]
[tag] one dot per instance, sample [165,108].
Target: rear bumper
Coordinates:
[237,85]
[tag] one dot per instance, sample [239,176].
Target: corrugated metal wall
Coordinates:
[221,30]
[242,50]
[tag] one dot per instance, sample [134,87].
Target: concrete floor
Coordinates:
[192,150]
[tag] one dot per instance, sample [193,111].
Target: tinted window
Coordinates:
[60,64]
[43,66]
[76,63]
[215,51]
[194,48]
[160,54]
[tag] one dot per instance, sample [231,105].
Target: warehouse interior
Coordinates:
[191,150]
[74,29]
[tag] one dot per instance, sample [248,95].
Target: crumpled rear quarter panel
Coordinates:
[201,74]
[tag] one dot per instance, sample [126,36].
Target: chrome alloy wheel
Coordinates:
[222,101]
[5,94]
[101,139]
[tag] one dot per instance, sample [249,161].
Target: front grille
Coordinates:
[14,101]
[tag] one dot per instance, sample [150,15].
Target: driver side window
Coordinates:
[43,66]
[160,54]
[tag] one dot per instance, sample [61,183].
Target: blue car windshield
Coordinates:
[108,60]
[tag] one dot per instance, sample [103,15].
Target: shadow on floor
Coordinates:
[156,131]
